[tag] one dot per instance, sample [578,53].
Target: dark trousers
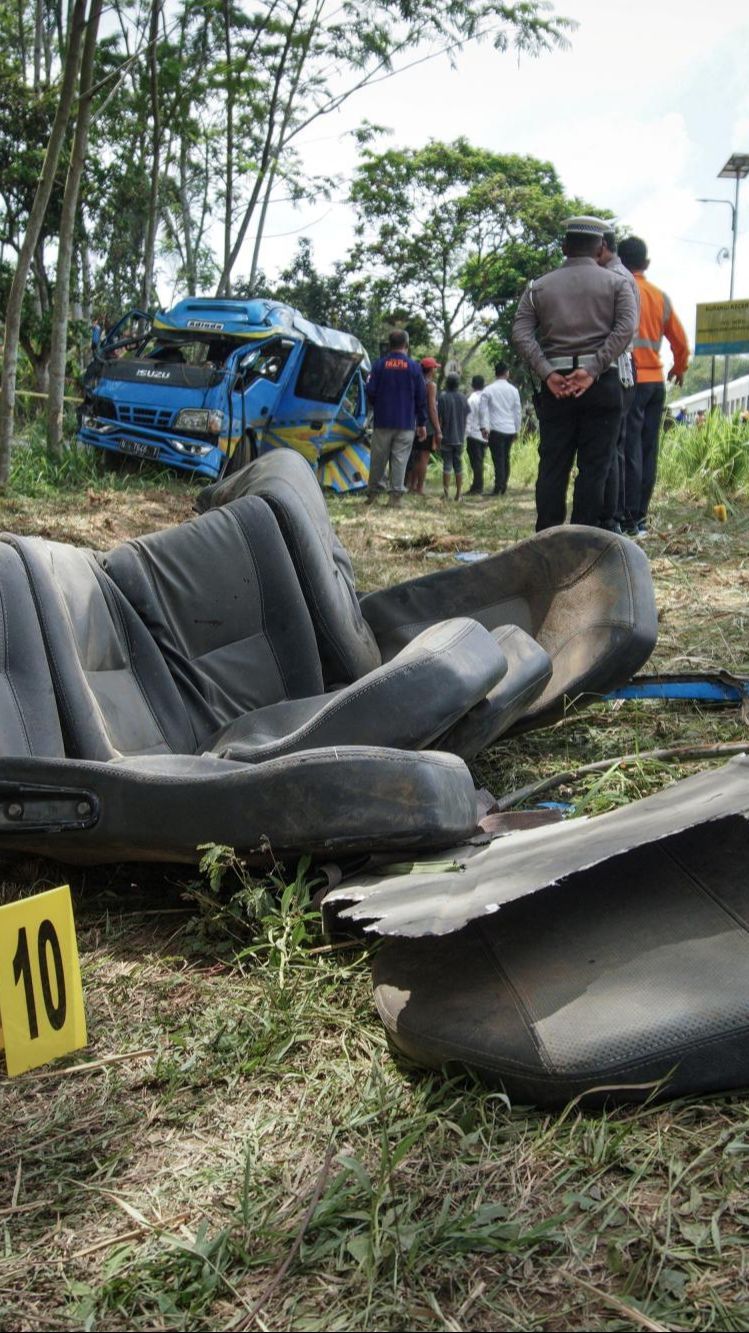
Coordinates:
[584,428]
[641,449]
[476,453]
[613,495]
[499,447]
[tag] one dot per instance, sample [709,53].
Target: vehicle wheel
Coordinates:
[109,461]
[243,454]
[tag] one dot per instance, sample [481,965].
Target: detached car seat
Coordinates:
[573,607]
[606,957]
[347,644]
[583,594]
[128,680]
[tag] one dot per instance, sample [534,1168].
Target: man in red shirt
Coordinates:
[657,317]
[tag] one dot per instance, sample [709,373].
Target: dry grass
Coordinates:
[166,1191]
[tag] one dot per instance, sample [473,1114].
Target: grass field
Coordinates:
[254,1156]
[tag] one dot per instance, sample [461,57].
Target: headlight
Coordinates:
[93,423]
[198,419]
[183,448]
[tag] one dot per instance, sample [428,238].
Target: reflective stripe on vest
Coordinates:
[653,344]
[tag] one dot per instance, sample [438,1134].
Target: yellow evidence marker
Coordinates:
[41,996]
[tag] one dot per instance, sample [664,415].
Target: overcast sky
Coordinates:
[639,116]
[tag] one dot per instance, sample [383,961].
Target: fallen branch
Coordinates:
[246,1321]
[141,1232]
[94,1064]
[679,752]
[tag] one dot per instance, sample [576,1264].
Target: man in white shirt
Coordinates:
[476,445]
[499,418]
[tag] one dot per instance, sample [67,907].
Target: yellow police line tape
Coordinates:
[30,393]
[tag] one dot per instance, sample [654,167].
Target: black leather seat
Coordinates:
[288,485]
[329,803]
[584,595]
[198,639]
[348,646]
[119,779]
[29,722]
[607,957]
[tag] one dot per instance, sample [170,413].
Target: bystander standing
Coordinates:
[499,416]
[453,415]
[395,388]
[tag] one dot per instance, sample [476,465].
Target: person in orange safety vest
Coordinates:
[657,317]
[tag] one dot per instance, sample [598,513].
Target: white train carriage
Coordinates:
[694,403]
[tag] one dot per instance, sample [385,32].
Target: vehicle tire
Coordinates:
[243,454]
[109,461]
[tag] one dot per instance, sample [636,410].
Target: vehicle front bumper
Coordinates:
[171,448]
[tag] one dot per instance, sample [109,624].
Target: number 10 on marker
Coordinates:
[41,999]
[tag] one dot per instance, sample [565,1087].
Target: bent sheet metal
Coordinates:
[512,867]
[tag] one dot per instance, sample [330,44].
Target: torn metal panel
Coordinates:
[436,903]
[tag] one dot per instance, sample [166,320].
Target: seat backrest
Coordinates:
[584,594]
[29,722]
[114,693]
[221,600]
[347,646]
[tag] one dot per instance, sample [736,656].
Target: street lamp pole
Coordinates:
[735,169]
[732,207]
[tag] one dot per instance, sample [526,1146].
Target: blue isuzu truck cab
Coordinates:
[214,383]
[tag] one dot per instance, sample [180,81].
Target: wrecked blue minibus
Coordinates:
[214,383]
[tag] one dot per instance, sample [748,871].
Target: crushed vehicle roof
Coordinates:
[253,320]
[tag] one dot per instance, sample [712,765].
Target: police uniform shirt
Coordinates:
[580,309]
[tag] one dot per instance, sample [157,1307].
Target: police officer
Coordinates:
[571,326]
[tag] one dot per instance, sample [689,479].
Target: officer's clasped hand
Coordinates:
[569,386]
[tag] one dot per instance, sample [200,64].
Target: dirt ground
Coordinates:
[244,1151]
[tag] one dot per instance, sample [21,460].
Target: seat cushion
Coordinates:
[330,802]
[29,722]
[529,669]
[585,595]
[631,974]
[114,693]
[439,677]
[220,597]
[287,483]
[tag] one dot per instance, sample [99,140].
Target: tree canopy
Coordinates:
[149,158]
[456,231]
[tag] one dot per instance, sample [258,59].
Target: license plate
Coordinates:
[139,448]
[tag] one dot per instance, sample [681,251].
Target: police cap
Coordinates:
[585,226]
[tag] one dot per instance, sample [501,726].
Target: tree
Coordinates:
[456,231]
[306,61]
[59,338]
[34,227]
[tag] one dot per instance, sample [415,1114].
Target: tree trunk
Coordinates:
[267,157]
[38,43]
[59,345]
[21,38]
[153,201]
[34,231]
[261,227]
[191,277]
[225,289]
